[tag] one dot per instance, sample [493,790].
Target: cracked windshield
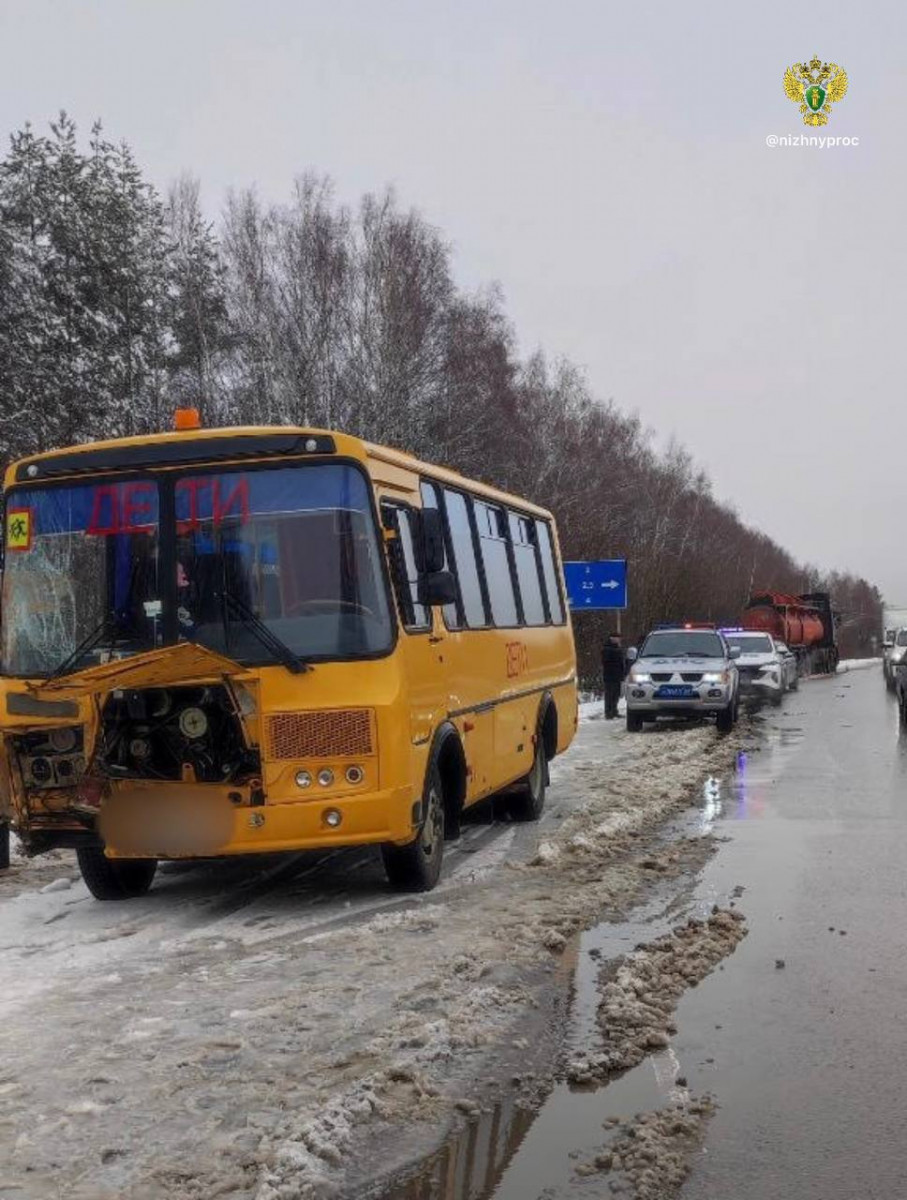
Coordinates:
[85,577]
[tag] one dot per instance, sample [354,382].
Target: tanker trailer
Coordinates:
[805,623]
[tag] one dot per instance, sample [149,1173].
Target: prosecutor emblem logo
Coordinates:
[815,86]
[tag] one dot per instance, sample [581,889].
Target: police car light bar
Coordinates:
[685,625]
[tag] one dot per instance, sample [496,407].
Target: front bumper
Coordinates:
[761,687]
[183,823]
[703,698]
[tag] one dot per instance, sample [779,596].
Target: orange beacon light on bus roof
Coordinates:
[186,418]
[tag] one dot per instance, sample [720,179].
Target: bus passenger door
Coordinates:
[420,646]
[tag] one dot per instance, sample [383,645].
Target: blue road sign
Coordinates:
[596,584]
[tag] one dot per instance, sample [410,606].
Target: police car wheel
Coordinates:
[726,719]
[634,722]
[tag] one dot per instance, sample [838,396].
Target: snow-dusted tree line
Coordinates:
[116,305]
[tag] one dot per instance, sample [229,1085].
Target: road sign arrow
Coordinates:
[597,585]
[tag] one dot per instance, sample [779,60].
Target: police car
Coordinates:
[683,670]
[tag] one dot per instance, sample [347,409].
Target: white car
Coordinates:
[791,667]
[893,656]
[761,666]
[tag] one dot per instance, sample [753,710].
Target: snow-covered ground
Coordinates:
[592,708]
[246,1028]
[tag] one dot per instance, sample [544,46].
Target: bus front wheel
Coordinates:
[115,878]
[416,867]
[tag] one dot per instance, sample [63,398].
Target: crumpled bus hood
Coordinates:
[185,662]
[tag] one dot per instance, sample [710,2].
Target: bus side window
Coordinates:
[465,564]
[403,566]
[496,558]
[522,534]
[551,573]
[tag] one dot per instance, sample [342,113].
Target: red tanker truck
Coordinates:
[805,623]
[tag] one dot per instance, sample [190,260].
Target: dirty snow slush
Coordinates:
[283,1029]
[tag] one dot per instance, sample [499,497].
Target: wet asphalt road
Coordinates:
[800,1035]
[807,1060]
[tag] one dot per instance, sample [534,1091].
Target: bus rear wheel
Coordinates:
[526,803]
[115,878]
[416,867]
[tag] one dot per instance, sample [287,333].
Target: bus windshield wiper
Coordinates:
[265,634]
[85,646]
[111,621]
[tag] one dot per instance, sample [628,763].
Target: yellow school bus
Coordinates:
[240,640]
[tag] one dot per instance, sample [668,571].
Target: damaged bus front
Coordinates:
[180,643]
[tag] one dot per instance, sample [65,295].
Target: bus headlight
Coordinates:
[325,777]
[303,779]
[332,817]
[354,775]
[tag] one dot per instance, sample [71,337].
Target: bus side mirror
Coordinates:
[433,556]
[438,587]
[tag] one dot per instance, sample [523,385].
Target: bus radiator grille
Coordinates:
[340,733]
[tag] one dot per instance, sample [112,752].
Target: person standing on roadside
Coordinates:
[613,668]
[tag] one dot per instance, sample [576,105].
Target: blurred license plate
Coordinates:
[185,823]
[676,691]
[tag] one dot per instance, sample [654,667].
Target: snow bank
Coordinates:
[856,664]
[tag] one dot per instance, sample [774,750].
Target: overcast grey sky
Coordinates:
[606,163]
